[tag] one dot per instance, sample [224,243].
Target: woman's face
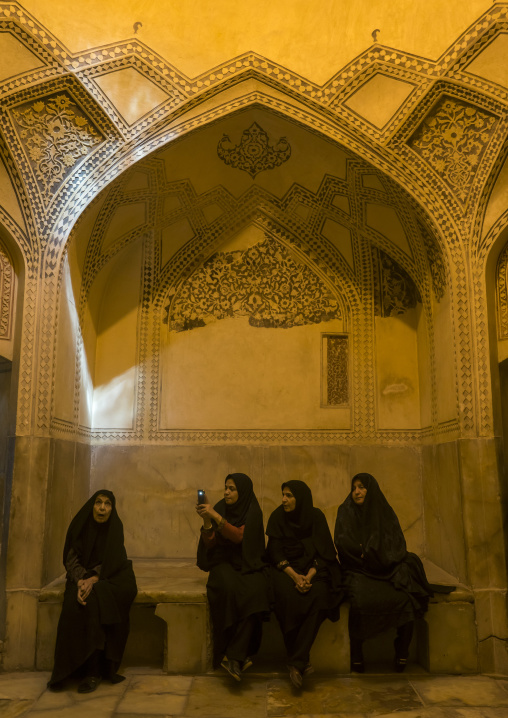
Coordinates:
[230,492]
[288,500]
[359,492]
[102,509]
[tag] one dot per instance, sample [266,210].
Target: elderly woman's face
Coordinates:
[230,492]
[102,509]
[288,500]
[359,492]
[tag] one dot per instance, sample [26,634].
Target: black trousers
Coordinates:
[401,643]
[299,641]
[242,638]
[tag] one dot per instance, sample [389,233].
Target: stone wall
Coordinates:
[156,485]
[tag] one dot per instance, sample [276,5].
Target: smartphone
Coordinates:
[201,496]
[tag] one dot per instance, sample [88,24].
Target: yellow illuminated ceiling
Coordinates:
[314,39]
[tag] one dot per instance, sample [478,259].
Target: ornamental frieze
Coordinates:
[55,134]
[6,295]
[502,294]
[254,154]
[452,140]
[436,263]
[265,283]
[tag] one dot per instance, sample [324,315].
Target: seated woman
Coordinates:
[305,574]
[231,548]
[100,588]
[386,585]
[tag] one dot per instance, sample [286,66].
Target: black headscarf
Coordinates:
[305,524]
[236,514]
[97,543]
[371,529]
[246,512]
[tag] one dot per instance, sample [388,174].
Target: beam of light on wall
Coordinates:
[113,402]
[71,352]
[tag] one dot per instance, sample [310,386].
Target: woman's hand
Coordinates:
[207,514]
[301,583]
[310,575]
[85,586]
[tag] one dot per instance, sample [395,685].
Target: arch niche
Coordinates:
[255,297]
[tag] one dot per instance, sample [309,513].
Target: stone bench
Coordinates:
[170,626]
[169,590]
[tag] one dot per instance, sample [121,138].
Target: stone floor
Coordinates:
[150,693]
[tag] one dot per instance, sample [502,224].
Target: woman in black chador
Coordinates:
[231,548]
[100,588]
[386,584]
[305,574]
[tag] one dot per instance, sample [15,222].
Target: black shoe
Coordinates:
[308,670]
[233,668]
[89,684]
[247,663]
[400,665]
[116,678]
[295,677]
[56,687]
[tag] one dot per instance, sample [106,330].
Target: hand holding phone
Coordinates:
[201,496]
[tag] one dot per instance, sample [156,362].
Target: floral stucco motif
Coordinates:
[452,140]
[254,153]
[56,135]
[264,283]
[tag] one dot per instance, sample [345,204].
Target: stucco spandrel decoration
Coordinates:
[254,154]
[453,140]
[394,290]
[264,283]
[55,134]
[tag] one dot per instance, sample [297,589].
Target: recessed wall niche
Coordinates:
[242,343]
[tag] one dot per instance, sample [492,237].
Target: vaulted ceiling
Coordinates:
[87,91]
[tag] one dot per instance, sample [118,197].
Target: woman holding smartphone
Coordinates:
[231,548]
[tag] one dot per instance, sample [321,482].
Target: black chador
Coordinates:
[386,584]
[96,632]
[301,540]
[237,587]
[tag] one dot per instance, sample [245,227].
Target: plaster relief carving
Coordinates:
[452,140]
[394,290]
[6,294]
[264,283]
[502,294]
[336,358]
[56,134]
[254,154]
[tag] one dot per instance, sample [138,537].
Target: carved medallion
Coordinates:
[56,134]
[453,140]
[264,283]
[254,153]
